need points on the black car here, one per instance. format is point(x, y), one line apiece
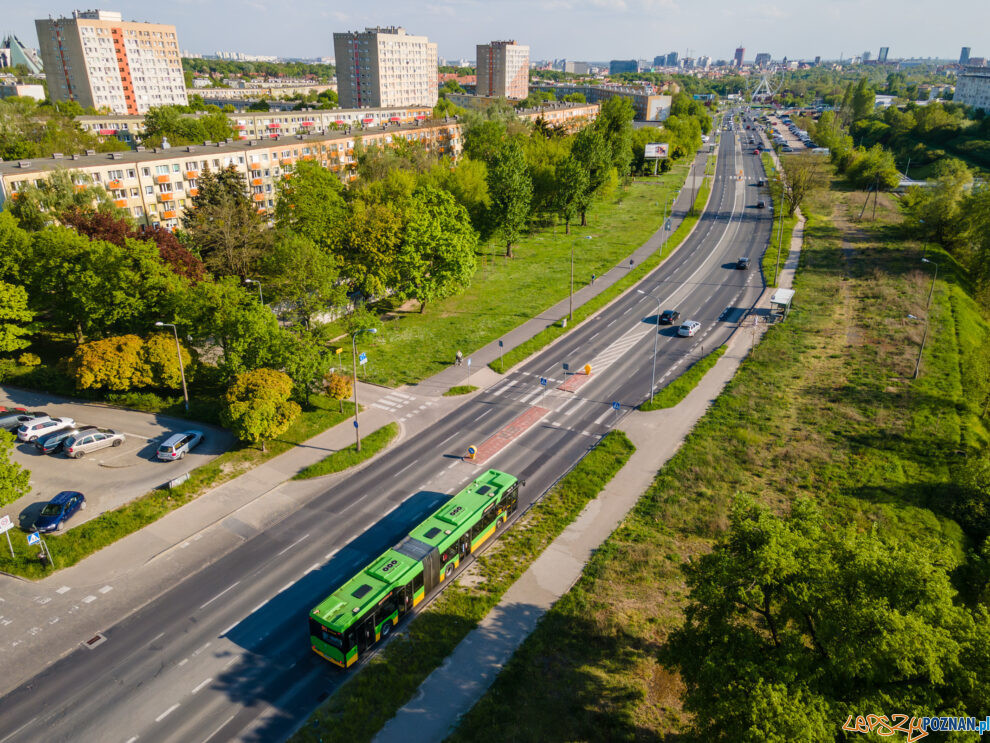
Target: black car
point(53, 441)
point(761, 205)
point(743, 263)
point(669, 317)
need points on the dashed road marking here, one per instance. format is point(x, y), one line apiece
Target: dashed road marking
point(201, 684)
point(166, 713)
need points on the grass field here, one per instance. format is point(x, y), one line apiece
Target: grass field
point(75, 544)
point(344, 459)
point(825, 407)
point(780, 242)
point(411, 346)
point(359, 709)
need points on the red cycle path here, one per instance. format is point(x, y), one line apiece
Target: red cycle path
point(509, 433)
point(573, 382)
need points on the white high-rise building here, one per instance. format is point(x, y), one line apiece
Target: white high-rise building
point(973, 87)
point(383, 67)
point(100, 60)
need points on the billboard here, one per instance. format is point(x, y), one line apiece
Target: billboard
point(657, 150)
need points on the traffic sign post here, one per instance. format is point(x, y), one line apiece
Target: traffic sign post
point(5, 526)
point(501, 368)
point(362, 358)
point(472, 452)
point(33, 538)
point(543, 384)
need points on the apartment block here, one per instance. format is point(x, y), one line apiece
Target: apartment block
point(156, 186)
point(973, 87)
point(647, 105)
point(99, 60)
point(567, 117)
point(503, 70)
point(385, 66)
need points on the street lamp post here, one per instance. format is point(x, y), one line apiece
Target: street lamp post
point(261, 296)
point(653, 379)
point(178, 351)
point(934, 277)
point(354, 335)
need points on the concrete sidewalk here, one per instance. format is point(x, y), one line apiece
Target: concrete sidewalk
point(479, 375)
point(454, 688)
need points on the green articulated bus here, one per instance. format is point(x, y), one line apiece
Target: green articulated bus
point(363, 610)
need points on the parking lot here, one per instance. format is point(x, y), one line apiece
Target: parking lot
point(109, 477)
point(789, 139)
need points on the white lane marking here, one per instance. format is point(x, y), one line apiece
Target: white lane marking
point(478, 418)
point(603, 416)
point(106, 589)
point(311, 568)
point(452, 465)
point(287, 586)
point(257, 607)
point(230, 628)
point(200, 649)
point(328, 555)
point(131, 740)
point(304, 536)
point(29, 722)
point(410, 464)
point(183, 662)
point(526, 398)
point(166, 713)
point(231, 662)
point(63, 589)
point(218, 729)
point(447, 439)
point(228, 588)
point(89, 599)
point(200, 685)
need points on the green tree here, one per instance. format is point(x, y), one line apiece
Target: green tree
point(13, 313)
point(791, 188)
point(257, 407)
point(15, 481)
point(572, 185)
point(110, 363)
point(874, 169)
point(592, 151)
point(372, 237)
point(14, 246)
point(311, 204)
point(511, 191)
point(615, 121)
point(302, 276)
point(863, 100)
point(794, 623)
point(937, 212)
point(61, 191)
point(467, 182)
point(437, 258)
point(224, 224)
point(160, 362)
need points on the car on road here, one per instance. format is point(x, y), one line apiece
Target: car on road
point(52, 442)
point(689, 328)
point(29, 431)
point(669, 317)
point(761, 205)
point(13, 421)
point(59, 510)
point(742, 264)
point(756, 151)
point(178, 445)
point(89, 441)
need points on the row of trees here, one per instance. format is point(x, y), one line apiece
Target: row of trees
point(29, 129)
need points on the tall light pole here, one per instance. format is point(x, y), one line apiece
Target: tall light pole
point(261, 296)
point(354, 336)
point(934, 277)
point(653, 379)
point(178, 351)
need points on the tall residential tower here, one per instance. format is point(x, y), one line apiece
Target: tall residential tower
point(503, 70)
point(382, 67)
point(99, 60)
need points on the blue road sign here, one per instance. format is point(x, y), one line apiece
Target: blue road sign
point(566, 367)
point(362, 358)
point(355, 424)
point(543, 381)
point(615, 406)
point(500, 344)
point(469, 361)
point(34, 537)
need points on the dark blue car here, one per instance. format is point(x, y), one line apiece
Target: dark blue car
point(59, 510)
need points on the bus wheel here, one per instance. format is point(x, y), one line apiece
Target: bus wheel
point(386, 628)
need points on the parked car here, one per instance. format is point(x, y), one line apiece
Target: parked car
point(59, 510)
point(689, 328)
point(742, 264)
point(13, 421)
point(30, 430)
point(787, 149)
point(5, 409)
point(178, 445)
point(89, 441)
point(52, 442)
point(669, 317)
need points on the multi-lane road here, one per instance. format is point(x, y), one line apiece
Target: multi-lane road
point(223, 655)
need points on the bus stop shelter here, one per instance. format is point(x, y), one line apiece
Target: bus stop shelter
point(780, 304)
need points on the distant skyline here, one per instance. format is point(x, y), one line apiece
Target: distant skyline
point(571, 29)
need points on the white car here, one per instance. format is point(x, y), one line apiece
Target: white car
point(176, 446)
point(688, 328)
point(31, 430)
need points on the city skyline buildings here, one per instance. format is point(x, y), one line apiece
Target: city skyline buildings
point(592, 31)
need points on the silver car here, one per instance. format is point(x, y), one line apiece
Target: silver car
point(90, 441)
point(31, 430)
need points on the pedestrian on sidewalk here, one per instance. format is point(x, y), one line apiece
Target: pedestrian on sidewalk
point(630, 263)
point(592, 278)
point(458, 358)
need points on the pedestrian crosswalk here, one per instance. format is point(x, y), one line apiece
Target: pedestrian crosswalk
point(393, 402)
point(618, 349)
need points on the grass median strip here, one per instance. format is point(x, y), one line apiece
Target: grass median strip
point(359, 709)
point(344, 459)
point(681, 385)
point(460, 389)
point(80, 542)
point(546, 336)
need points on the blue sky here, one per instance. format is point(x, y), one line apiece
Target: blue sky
point(574, 29)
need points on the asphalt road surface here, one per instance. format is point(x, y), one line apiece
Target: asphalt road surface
point(224, 655)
